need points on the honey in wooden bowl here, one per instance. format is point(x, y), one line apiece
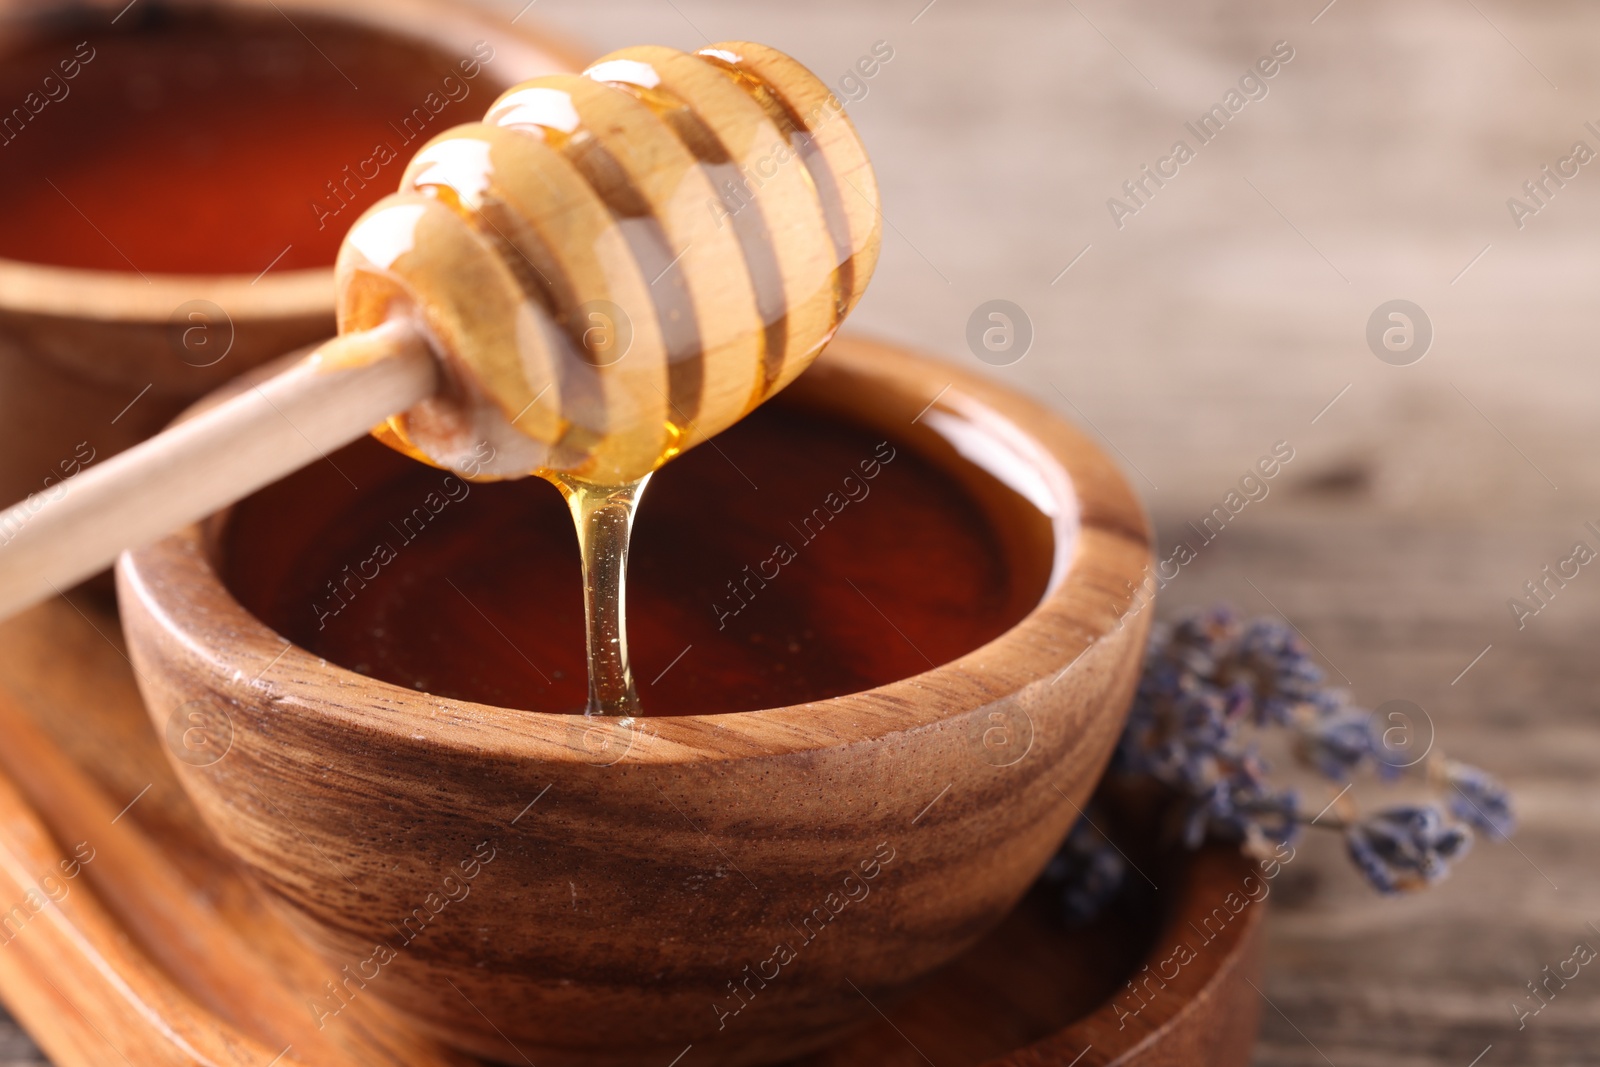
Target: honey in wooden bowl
point(803, 558)
point(630, 875)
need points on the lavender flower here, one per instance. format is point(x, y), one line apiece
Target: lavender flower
point(1407, 847)
point(1280, 670)
point(1089, 871)
point(1479, 799)
point(1206, 675)
point(1208, 678)
point(1338, 741)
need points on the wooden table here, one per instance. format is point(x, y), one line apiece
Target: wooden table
point(1229, 313)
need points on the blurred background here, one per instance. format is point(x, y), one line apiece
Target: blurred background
point(1241, 302)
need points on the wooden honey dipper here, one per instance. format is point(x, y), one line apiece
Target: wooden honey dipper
point(608, 270)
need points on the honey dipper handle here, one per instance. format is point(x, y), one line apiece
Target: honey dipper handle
point(76, 528)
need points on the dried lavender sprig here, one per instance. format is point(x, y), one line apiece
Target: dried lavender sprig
point(1479, 799)
point(1406, 847)
point(1207, 676)
point(1088, 872)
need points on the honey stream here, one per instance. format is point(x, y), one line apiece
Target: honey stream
point(603, 515)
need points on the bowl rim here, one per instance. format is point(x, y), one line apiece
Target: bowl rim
point(129, 296)
point(173, 597)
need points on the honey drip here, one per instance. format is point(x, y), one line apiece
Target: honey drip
point(604, 515)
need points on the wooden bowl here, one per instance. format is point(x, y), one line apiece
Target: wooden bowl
point(163, 948)
point(1035, 993)
point(579, 891)
point(79, 347)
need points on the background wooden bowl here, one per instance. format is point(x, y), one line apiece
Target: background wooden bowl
point(876, 835)
point(78, 347)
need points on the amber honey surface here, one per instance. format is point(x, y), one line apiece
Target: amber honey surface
point(196, 142)
point(800, 558)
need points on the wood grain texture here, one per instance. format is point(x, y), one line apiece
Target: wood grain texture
point(158, 938)
point(65, 956)
point(133, 953)
point(1032, 993)
point(78, 347)
point(586, 842)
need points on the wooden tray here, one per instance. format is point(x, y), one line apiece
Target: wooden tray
point(122, 924)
